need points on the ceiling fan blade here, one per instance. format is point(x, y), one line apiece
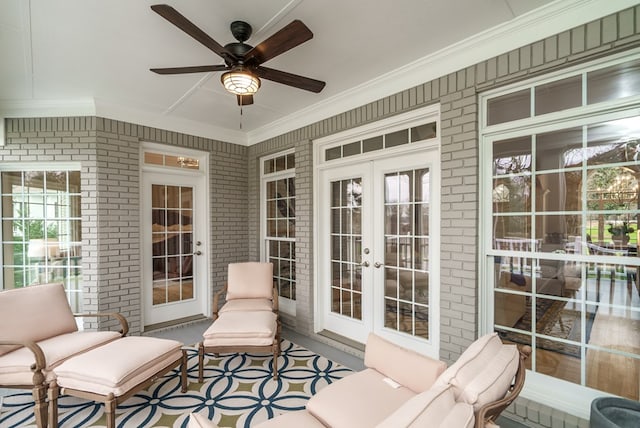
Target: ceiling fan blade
point(194, 69)
point(290, 79)
point(177, 19)
point(287, 38)
point(244, 100)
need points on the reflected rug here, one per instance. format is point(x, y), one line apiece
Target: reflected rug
point(556, 320)
point(238, 391)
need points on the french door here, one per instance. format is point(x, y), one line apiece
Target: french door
point(174, 246)
point(378, 249)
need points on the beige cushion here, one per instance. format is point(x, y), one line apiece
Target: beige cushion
point(360, 400)
point(197, 420)
point(15, 366)
point(118, 366)
point(436, 407)
point(417, 372)
point(247, 305)
point(297, 419)
point(234, 328)
point(250, 280)
point(483, 372)
point(494, 380)
point(37, 312)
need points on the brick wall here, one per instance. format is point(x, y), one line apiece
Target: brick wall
point(109, 154)
point(457, 95)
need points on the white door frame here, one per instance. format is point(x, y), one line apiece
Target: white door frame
point(403, 121)
point(151, 174)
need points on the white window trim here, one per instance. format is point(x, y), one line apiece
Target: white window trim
point(287, 306)
point(556, 393)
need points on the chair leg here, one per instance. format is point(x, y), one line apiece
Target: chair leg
point(53, 393)
point(183, 372)
point(110, 409)
point(200, 362)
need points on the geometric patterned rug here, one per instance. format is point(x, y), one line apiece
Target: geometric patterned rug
point(238, 391)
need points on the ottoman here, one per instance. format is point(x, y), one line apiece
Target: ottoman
point(242, 331)
point(114, 372)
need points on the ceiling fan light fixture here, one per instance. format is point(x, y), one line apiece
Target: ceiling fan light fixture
point(240, 82)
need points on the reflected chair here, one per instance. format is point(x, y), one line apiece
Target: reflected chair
point(248, 321)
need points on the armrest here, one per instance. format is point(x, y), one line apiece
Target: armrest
point(123, 321)
point(40, 361)
point(416, 371)
point(216, 301)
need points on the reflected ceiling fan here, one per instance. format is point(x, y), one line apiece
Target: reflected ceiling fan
point(242, 62)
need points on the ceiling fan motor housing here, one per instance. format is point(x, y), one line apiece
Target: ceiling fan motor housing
point(241, 31)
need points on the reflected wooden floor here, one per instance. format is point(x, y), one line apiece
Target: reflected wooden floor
point(615, 329)
point(171, 293)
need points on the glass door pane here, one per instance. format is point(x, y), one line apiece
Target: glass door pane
point(406, 252)
point(172, 243)
point(346, 247)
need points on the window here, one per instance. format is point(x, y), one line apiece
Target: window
point(41, 230)
point(279, 224)
point(560, 218)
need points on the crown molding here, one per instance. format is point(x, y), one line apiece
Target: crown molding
point(530, 27)
point(96, 107)
point(170, 123)
point(47, 108)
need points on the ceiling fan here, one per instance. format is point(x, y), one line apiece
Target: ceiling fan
point(243, 63)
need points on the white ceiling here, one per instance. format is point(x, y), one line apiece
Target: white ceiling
point(79, 56)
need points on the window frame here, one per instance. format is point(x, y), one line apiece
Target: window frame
point(286, 305)
point(46, 167)
point(557, 393)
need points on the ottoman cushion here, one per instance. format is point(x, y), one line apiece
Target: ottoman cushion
point(118, 366)
point(235, 328)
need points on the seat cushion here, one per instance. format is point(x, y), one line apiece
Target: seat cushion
point(484, 372)
point(247, 305)
point(436, 407)
point(15, 366)
point(363, 399)
point(251, 280)
point(37, 312)
point(234, 328)
point(118, 366)
point(297, 419)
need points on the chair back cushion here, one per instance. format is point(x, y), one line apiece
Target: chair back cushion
point(436, 407)
point(406, 367)
point(250, 280)
point(484, 372)
point(34, 313)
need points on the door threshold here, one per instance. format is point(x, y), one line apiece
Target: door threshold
point(341, 339)
point(180, 322)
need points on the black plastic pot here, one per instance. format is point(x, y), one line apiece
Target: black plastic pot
point(612, 412)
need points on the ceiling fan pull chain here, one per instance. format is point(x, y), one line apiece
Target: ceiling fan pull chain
point(240, 114)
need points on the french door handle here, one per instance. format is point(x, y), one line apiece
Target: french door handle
point(197, 253)
point(377, 265)
point(365, 264)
